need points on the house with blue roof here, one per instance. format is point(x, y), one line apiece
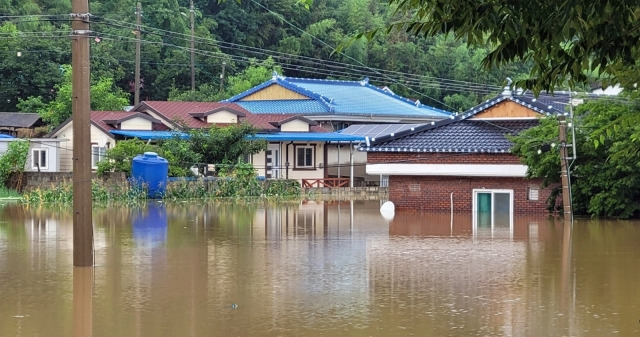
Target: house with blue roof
point(464, 163)
point(296, 145)
point(335, 105)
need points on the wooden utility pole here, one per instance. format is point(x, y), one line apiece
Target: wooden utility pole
point(136, 95)
point(81, 109)
point(193, 64)
point(564, 167)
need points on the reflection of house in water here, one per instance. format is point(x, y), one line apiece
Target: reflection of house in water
point(316, 218)
point(462, 225)
point(431, 264)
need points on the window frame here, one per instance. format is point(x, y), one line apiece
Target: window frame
point(42, 153)
point(306, 166)
point(94, 165)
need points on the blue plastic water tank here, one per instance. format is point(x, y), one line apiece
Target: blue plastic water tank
point(150, 171)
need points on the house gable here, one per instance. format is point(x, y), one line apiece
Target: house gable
point(222, 117)
point(295, 125)
point(507, 109)
point(274, 92)
point(136, 124)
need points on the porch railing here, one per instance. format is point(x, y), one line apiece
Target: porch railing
point(326, 182)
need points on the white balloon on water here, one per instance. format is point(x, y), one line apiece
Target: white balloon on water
point(388, 210)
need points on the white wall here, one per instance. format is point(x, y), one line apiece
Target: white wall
point(295, 126)
point(222, 117)
point(136, 124)
point(66, 148)
point(51, 146)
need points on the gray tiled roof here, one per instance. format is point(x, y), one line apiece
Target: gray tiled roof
point(19, 119)
point(462, 136)
point(462, 133)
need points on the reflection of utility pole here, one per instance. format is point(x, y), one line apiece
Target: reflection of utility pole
point(136, 95)
point(222, 75)
point(81, 109)
point(193, 68)
point(564, 155)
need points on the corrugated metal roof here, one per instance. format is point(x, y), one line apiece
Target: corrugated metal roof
point(309, 136)
point(150, 135)
point(277, 136)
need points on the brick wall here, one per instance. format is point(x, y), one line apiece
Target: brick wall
point(441, 158)
point(434, 193)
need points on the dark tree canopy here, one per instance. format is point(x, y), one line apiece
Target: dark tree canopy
point(568, 41)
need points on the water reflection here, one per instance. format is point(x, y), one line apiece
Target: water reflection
point(82, 301)
point(150, 225)
point(314, 268)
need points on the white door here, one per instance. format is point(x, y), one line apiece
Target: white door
point(273, 161)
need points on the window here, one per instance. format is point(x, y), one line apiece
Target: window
point(98, 153)
point(532, 193)
point(304, 157)
point(39, 159)
point(493, 210)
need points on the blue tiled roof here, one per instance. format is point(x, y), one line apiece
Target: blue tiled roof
point(292, 106)
point(346, 98)
point(461, 133)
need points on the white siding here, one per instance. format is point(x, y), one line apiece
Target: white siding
point(222, 117)
point(295, 126)
point(136, 124)
point(66, 148)
point(259, 163)
point(49, 145)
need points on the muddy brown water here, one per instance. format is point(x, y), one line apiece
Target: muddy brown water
point(314, 269)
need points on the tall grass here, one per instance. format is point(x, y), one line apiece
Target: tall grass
point(9, 193)
point(229, 187)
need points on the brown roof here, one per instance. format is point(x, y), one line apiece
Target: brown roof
point(187, 113)
point(104, 120)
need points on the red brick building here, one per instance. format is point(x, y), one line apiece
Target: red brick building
point(464, 164)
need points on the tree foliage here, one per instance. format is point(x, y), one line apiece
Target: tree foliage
point(104, 96)
point(244, 35)
point(566, 40)
point(605, 177)
point(13, 160)
point(225, 144)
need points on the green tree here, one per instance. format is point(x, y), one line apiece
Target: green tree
point(13, 160)
point(566, 40)
point(605, 177)
point(119, 157)
point(225, 145)
point(104, 96)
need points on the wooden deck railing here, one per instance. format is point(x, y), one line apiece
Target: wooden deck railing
point(326, 182)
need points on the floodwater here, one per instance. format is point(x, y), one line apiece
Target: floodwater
point(315, 269)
